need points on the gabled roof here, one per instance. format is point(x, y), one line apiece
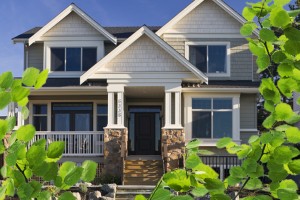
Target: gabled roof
point(195, 4)
point(62, 15)
point(144, 31)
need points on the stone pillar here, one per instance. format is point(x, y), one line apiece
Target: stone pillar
point(173, 142)
point(113, 160)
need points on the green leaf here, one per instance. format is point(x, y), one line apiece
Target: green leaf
point(25, 112)
point(269, 105)
point(293, 135)
point(283, 111)
point(65, 168)
point(292, 33)
point(269, 121)
point(192, 161)
point(214, 185)
point(193, 144)
point(220, 197)
point(224, 142)
point(281, 3)
point(11, 123)
point(267, 35)
point(10, 187)
point(42, 79)
point(66, 196)
point(292, 47)
point(253, 184)
point(205, 152)
point(269, 91)
point(294, 13)
point(203, 171)
point(246, 149)
point(36, 188)
point(199, 192)
point(266, 23)
point(2, 192)
point(30, 76)
point(282, 154)
point(279, 17)
point(233, 181)
point(253, 138)
point(287, 194)
point(6, 80)
point(263, 62)
point(248, 13)
point(278, 56)
point(73, 176)
point(18, 93)
point(11, 159)
point(89, 170)
point(237, 172)
point(177, 180)
point(44, 195)
point(51, 171)
point(257, 49)
point(3, 128)
point(25, 133)
point(248, 28)
point(140, 197)
point(25, 191)
point(294, 166)
point(249, 165)
point(18, 177)
point(36, 155)
point(285, 70)
point(56, 149)
point(265, 138)
point(161, 194)
point(23, 102)
point(5, 99)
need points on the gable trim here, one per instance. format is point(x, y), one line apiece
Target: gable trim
point(144, 30)
point(192, 6)
point(65, 13)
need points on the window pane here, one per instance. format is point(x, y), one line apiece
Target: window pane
point(89, 58)
point(57, 59)
point(40, 109)
point(40, 123)
point(82, 122)
point(102, 122)
point(201, 103)
point(198, 57)
point(222, 103)
point(217, 59)
point(201, 125)
point(62, 122)
point(73, 59)
point(72, 106)
point(222, 124)
point(102, 109)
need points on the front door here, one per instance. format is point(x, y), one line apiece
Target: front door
point(145, 133)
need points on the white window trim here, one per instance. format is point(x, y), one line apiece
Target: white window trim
point(49, 110)
point(188, 117)
point(69, 44)
point(227, 74)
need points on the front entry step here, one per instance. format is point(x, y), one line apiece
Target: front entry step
point(128, 192)
point(142, 172)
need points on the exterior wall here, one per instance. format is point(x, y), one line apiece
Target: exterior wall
point(144, 55)
point(208, 17)
point(69, 97)
point(35, 55)
point(241, 59)
point(72, 25)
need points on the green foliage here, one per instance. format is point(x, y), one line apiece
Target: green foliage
point(271, 154)
point(23, 161)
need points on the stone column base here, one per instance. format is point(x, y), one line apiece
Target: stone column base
point(113, 160)
point(173, 142)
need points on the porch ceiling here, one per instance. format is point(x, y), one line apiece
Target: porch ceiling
point(144, 92)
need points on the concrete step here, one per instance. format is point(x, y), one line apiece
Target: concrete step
point(128, 192)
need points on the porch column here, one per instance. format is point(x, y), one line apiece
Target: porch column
point(111, 109)
point(120, 109)
point(168, 108)
point(178, 109)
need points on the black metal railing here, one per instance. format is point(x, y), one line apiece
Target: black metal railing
point(221, 164)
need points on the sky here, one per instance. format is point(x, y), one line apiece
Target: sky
point(18, 16)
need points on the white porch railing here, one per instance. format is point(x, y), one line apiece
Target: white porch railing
point(76, 143)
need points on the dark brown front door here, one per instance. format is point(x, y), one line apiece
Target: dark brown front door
point(145, 133)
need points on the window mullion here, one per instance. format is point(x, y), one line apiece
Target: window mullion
point(65, 59)
point(81, 58)
point(207, 59)
point(212, 119)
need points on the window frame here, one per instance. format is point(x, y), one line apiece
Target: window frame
point(69, 44)
point(188, 118)
point(227, 44)
point(40, 115)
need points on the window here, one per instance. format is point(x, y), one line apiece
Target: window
point(101, 117)
point(212, 117)
point(209, 58)
point(40, 117)
point(72, 116)
point(73, 58)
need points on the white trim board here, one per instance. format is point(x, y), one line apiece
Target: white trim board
point(192, 6)
point(71, 8)
point(143, 31)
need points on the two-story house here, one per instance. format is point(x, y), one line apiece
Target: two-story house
point(131, 97)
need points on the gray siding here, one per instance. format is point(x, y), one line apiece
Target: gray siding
point(69, 97)
point(240, 57)
point(35, 55)
point(248, 111)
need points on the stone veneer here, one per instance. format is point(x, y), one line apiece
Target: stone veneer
point(113, 160)
point(173, 142)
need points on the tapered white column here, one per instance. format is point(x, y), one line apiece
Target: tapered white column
point(168, 106)
point(120, 109)
point(111, 109)
point(177, 108)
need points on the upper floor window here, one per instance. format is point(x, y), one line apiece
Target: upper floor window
point(39, 115)
point(73, 58)
point(209, 58)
